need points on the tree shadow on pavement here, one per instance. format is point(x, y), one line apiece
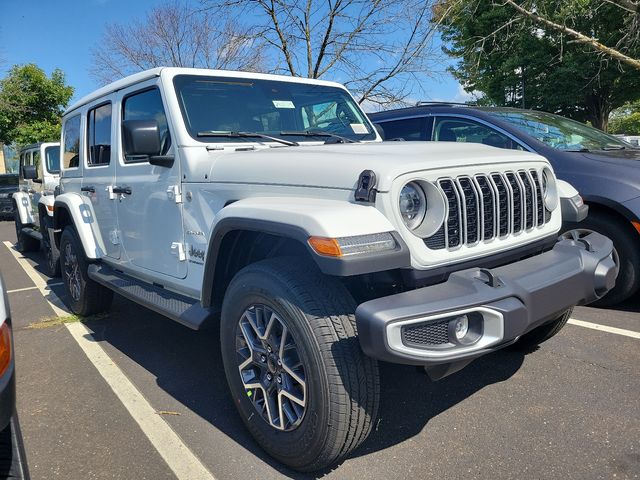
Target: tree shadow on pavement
point(188, 366)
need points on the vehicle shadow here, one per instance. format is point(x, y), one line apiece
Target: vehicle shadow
point(188, 366)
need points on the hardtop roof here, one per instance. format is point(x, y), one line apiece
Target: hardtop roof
point(172, 71)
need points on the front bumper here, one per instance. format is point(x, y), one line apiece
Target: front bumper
point(507, 302)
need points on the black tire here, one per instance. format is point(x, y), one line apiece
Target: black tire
point(85, 296)
point(343, 384)
point(49, 249)
point(529, 341)
point(625, 241)
point(24, 243)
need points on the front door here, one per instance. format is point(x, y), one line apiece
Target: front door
point(99, 174)
point(149, 212)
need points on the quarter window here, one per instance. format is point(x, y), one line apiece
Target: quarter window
point(99, 135)
point(71, 134)
point(147, 105)
point(468, 131)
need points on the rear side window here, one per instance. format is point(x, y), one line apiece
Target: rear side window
point(99, 135)
point(147, 105)
point(407, 129)
point(71, 156)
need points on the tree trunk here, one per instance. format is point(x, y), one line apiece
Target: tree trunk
point(599, 109)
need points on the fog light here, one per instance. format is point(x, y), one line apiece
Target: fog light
point(466, 329)
point(461, 327)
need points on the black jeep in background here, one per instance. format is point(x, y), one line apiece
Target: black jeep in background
point(8, 186)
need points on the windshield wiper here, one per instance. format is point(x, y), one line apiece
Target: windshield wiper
point(613, 147)
point(317, 133)
point(582, 150)
point(229, 134)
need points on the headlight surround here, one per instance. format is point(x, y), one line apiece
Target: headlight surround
point(549, 189)
point(413, 205)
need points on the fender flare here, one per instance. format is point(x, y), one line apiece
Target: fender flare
point(82, 217)
point(48, 202)
point(23, 207)
point(289, 218)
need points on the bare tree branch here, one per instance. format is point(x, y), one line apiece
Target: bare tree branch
point(174, 34)
point(577, 36)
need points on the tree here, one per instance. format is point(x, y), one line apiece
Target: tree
point(176, 35)
point(31, 104)
point(628, 8)
point(626, 119)
point(514, 62)
point(375, 47)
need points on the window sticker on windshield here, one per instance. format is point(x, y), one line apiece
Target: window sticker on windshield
point(359, 128)
point(283, 104)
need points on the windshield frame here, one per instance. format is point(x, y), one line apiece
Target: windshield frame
point(595, 136)
point(370, 136)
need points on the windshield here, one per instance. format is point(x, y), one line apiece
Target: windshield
point(559, 132)
point(52, 156)
point(276, 108)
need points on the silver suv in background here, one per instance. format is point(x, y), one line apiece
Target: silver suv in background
point(39, 171)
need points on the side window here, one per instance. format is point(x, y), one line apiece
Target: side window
point(99, 135)
point(36, 162)
point(52, 156)
point(468, 131)
point(71, 133)
point(147, 105)
point(407, 129)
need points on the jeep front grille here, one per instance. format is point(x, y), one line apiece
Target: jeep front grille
point(484, 207)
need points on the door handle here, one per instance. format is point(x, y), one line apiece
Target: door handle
point(88, 189)
point(122, 190)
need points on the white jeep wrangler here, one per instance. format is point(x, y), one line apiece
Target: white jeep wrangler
point(39, 175)
point(267, 207)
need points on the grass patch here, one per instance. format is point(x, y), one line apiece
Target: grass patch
point(54, 321)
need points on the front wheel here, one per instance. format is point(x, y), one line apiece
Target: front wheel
point(302, 385)
point(529, 341)
point(626, 254)
point(86, 297)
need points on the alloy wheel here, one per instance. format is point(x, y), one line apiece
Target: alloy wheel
point(72, 272)
point(270, 367)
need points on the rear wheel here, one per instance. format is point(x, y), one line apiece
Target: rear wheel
point(626, 253)
point(301, 383)
point(535, 337)
point(24, 243)
point(86, 297)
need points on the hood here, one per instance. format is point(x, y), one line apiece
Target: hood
point(339, 165)
point(617, 157)
point(9, 182)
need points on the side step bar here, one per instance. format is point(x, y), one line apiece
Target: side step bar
point(180, 308)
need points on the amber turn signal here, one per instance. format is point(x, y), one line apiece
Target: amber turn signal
point(325, 246)
point(5, 348)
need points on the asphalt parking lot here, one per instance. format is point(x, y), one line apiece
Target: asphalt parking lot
point(133, 395)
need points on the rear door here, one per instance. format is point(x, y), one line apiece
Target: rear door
point(149, 216)
point(99, 173)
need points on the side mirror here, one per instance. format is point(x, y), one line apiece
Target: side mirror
point(142, 139)
point(29, 172)
point(380, 130)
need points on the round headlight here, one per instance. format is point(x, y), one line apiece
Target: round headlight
point(413, 205)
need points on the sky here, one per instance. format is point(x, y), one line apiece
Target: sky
point(61, 33)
